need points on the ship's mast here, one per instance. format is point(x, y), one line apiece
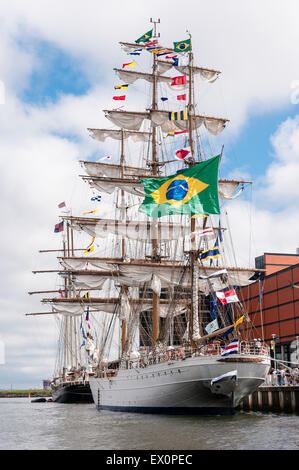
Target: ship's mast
point(123, 241)
point(156, 316)
point(194, 323)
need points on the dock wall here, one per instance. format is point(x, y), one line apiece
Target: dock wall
point(283, 398)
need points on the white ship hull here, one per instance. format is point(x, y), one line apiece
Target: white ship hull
point(182, 386)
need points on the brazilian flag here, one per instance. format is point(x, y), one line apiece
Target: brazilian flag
point(190, 191)
point(182, 46)
point(146, 37)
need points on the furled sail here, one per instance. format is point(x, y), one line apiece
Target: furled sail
point(226, 188)
point(133, 274)
point(113, 171)
point(130, 77)
point(90, 281)
point(131, 120)
point(133, 230)
point(212, 124)
point(117, 134)
point(80, 263)
point(75, 307)
point(209, 75)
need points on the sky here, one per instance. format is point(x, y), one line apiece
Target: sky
point(56, 77)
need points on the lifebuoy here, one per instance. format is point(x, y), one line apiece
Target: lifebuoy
point(211, 348)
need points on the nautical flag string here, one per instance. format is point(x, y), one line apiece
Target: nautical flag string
point(62, 204)
point(231, 348)
point(182, 154)
point(91, 243)
point(87, 314)
point(261, 293)
point(180, 80)
point(129, 64)
point(91, 212)
point(202, 233)
point(119, 98)
point(121, 87)
point(227, 296)
point(88, 250)
point(96, 198)
point(211, 253)
point(61, 293)
point(105, 158)
point(220, 232)
point(172, 133)
point(59, 227)
point(239, 321)
point(135, 52)
point(213, 307)
point(178, 115)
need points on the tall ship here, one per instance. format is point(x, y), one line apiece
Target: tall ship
point(172, 334)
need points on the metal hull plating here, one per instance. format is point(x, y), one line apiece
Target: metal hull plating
point(77, 393)
point(180, 386)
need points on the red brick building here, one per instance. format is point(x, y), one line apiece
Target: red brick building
point(274, 262)
point(273, 303)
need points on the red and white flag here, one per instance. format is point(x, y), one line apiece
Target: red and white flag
point(105, 158)
point(203, 233)
point(181, 97)
point(180, 80)
point(122, 97)
point(182, 153)
point(227, 297)
point(61, 293)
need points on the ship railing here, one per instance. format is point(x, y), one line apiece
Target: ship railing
point(253, 348)
point(107, 373)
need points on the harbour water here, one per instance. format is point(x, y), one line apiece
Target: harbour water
point(49, 426)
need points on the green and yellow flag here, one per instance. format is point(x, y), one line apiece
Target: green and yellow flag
point(182, 46)
point(190, 191)
point(146, 37)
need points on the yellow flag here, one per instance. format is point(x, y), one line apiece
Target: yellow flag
point(130, 64)
point(92, 240)
point(239, 321)
point(198, 215)
point(88, 250)
point(91, 212)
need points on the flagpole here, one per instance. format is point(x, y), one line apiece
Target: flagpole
point(191, 104)
point(194, 323)
point(156, 299)
point(123, 241)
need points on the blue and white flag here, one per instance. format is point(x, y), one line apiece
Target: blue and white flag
point(231, 348)
point(96, 198)
point(212, 326)
point(261, 293)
